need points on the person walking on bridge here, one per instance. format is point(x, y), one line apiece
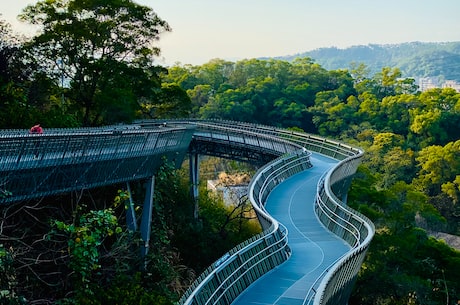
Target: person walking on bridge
point(36, 129)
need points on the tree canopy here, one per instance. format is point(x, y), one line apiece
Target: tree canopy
point(101, 51)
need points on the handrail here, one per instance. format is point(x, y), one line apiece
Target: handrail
point(334, 285)
point(63, 160)
point(263, 253)
point(245, 263)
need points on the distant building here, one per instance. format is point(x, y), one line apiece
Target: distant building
point(451, 84)
point(427, 83)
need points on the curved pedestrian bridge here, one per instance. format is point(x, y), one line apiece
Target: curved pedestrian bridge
point(314, 248)
point(312, 244)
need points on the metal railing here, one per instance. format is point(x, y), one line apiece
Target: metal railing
point(62, 160)
point(353, 227)
point(334, 285)
point(232, 140)
point(68, 156)
point(328, 147)
point(230, 275)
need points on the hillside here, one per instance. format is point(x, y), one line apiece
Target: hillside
point(414, 59)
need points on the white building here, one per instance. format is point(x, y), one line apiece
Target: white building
point(451, 84)
point(427, 83)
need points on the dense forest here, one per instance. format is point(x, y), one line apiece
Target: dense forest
point(93, 63)
point(440, 61)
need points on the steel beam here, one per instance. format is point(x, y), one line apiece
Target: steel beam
point(194, 178)
point(130, 213)
point(146, 220)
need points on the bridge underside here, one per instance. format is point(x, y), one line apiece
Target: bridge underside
point(235, 151)
point(36, 182)
point(50, 179)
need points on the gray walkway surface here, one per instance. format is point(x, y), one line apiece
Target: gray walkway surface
point(313, 247)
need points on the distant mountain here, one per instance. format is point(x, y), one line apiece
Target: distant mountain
point(415, 59)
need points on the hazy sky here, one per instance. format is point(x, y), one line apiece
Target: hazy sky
point(237, 29)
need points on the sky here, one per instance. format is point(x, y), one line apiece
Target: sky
point(233, 30)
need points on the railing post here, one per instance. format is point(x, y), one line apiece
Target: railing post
point(146, 221)
point(194, 176)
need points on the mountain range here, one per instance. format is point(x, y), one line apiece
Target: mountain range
point(437, 60)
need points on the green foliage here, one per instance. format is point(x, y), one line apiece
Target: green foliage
point(439, 168)
point(126, 290)
point(170, 101)
point(105, 263)
point(8, 281)
point(261, 91)
point(13, 94)
point(437, 117)
point(86, 235)
point(405, 263)
point(104, 51)
point(402, 262)
point(395, 109)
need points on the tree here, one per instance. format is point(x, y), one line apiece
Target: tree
point(387, 80)
point(439, 168)
point(85, 237)
point(437, 118)
point(230, 105)
point(215, 73)
point(387, 157)
point(13, 93)
point(394, 112)
point(27, 94)
point(97, 46)
point(171, 101)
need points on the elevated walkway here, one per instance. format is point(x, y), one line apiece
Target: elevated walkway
point(64, 160)
point(314, 248)
point(293, 200)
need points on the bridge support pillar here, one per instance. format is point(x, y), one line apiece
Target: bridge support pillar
point(146, 220)
point(130, 213)
point(194, 176)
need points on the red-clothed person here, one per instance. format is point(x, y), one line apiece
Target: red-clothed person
point(36, 129)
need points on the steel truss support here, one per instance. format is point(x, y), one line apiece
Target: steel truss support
point(146, 217)
point(194, 179)
point(146, 220)
point(130, 213)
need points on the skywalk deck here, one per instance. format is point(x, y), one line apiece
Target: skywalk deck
point(314, 248)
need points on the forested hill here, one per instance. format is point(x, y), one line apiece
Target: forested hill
point(414, 59)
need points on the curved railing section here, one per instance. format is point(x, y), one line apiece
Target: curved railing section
point(327, 147)
point(232, 140)
point(354, 228)
point(76, 159)
point(336, 282)
point(229, 276)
